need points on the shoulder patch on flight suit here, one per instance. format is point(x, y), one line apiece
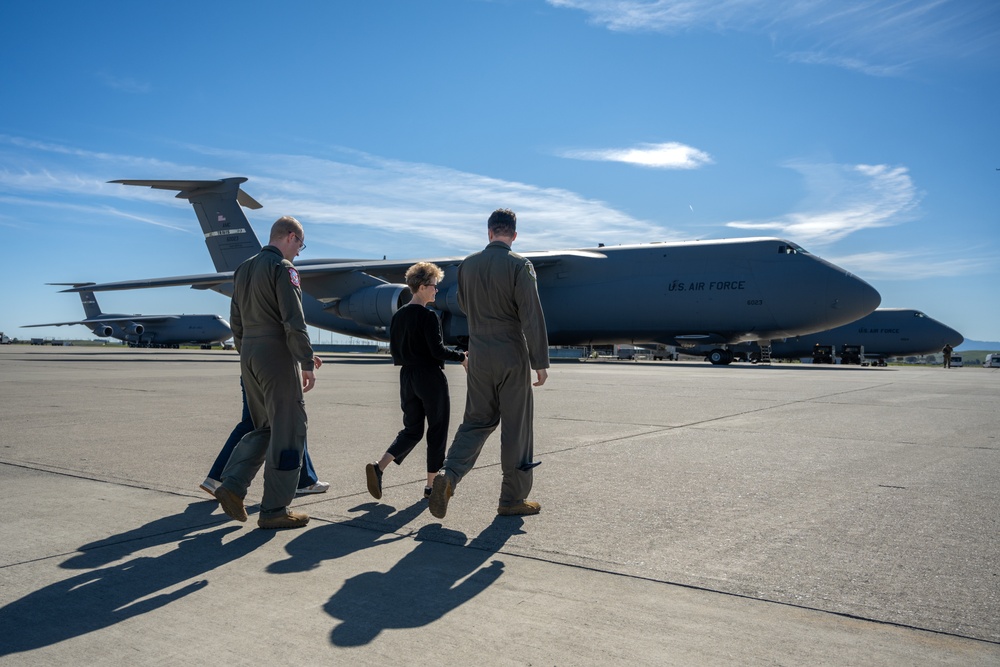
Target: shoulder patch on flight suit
point(293, 275)
point(531, 269)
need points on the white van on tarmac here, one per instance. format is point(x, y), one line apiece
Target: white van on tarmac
point(956, 361)
point(992, 360)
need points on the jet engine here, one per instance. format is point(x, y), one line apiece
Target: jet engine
point(105, 331)
point(448, 301)
point(135, 328)
point(454, 325)
point(373, 306)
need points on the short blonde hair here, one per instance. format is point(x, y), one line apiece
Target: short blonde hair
point(421, 274)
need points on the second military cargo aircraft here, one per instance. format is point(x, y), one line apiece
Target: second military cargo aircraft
point(146, 330)
point(887, 332)
point(711, 292)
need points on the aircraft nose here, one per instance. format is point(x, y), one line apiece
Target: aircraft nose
point(854, 297)
point(952, 337)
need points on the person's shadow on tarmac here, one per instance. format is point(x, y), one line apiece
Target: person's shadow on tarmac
point(436, 577)
point(331, 541)
point(196, 517)
point(99, 598)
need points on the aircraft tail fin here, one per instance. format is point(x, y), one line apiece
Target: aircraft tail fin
point(228, 234)
point(90, 306)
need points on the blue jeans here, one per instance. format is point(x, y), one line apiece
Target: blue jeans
point(307, 474)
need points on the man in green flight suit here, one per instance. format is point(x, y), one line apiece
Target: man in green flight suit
point(276, 361)
point(498, 292)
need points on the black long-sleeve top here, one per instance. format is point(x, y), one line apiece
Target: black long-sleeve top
point(415, 338)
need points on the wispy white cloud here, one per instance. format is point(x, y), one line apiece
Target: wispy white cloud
point(666, 15)
point(878, 37)
point(916, 264)
point(846, 62)
point(448, 207)
point(354, 202)
point(669, 155)
point(85, 214)
point(842, 200)
point(124, 84)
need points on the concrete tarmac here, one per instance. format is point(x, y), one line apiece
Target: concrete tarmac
point(691, 515)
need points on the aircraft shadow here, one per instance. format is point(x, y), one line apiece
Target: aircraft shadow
point(100, 598)
point(434, 578)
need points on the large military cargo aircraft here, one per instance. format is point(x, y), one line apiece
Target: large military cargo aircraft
point(146, 330)
point(712, 292)
point(887, 332)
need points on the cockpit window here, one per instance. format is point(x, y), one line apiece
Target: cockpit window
point(790, 249)
point(919, 314)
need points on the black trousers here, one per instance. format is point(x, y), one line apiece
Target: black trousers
point(423, 395)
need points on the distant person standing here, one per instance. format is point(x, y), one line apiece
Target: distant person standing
point(498, 292)
point(946, 351)
point(276, 363)
point(417, 347)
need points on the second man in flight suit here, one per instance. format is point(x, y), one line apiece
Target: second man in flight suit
point(498, 292)
point(276, 362)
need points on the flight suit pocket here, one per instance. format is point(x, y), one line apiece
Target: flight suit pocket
point(288, 460)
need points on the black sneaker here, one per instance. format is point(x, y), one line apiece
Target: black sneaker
point(427, 492)
point(374, 476)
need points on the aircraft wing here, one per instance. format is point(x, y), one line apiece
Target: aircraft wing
point(132, 318)
point(202, 281)
point(50, 324)
point(110, 320)
point(335, 280)
point(394, 269)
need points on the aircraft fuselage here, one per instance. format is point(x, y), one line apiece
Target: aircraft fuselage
point(708, 291)
point(166, 330)
point(887, 332)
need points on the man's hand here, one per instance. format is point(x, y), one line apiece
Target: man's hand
point(543, 375)
point(317, 362)
point(308, 380)
point(465, 362)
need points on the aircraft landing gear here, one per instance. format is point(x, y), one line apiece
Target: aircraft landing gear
point(720, 357)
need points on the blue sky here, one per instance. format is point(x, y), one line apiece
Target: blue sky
point(867, 132)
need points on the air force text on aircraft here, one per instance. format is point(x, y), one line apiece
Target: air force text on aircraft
point(715, 286)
